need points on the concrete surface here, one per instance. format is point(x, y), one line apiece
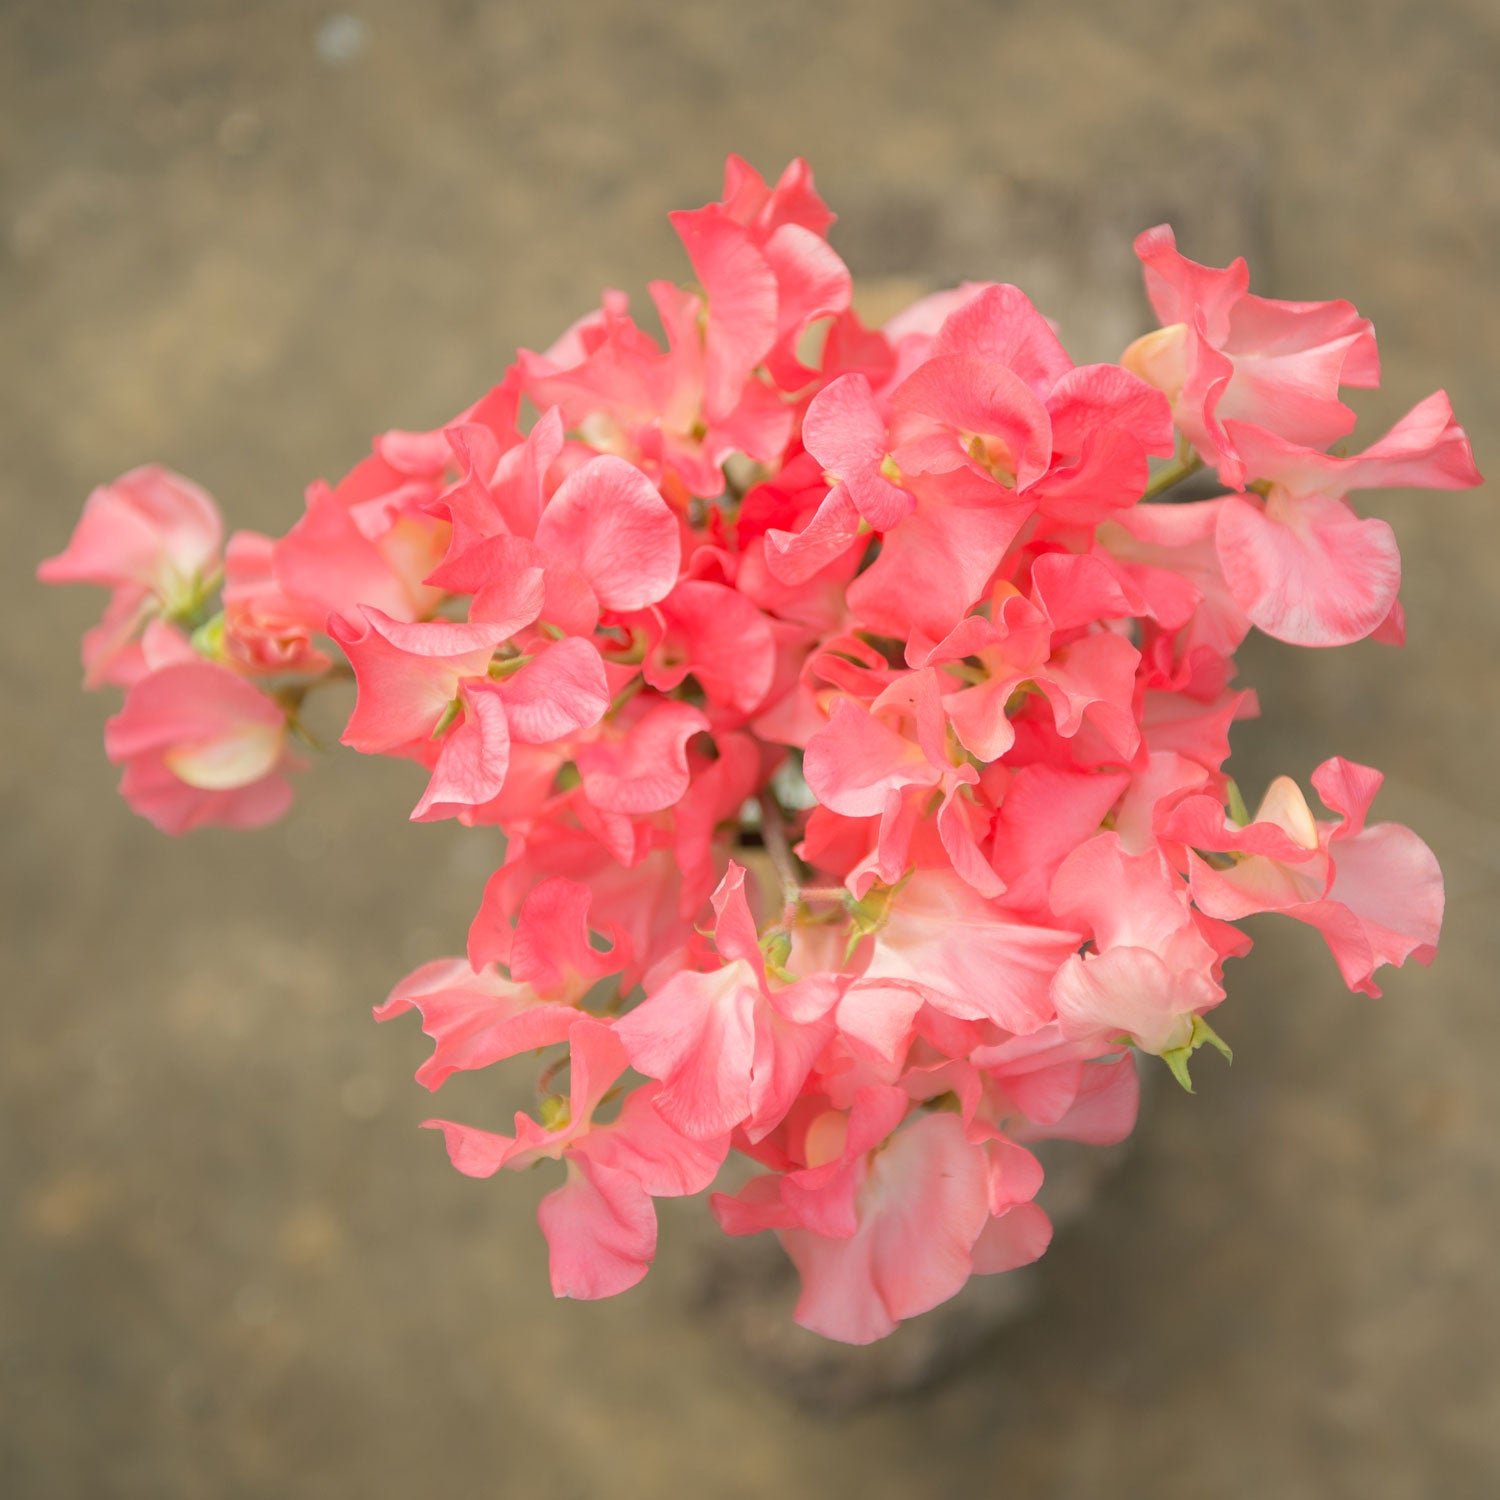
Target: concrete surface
point(241, 237)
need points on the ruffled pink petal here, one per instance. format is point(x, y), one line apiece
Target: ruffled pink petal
point(1179, 287)
point(1015, 1238)
point(1309, 571)
point(1385, 904)
point(794, 557)
point(935, 566)
point(812, 282)
point(715, 633)
point(666, 1163)
point(1000, 324)
point(474, 1152)
point(696, 1034)
point(1094, 678)
point(647, 769)
point(741, 289)
point(845, 432)
point(600, 1228)
point(551, 950)
point(407, 675)
point(856, 761)
point(474, 758)
point(1094, 396)
point(1047, 812)
point(973, 396)
point(1348, 788)
point(474, 1019)
point(608, 522)
point(561, 693)
point(921, 1209)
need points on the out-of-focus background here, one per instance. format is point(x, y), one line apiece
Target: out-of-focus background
point(241, 237)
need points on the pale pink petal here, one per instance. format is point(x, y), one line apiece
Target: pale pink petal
point(1015, 1238)
point(1385, 904)
point(966, 958)
point(1131, 992)
point(921, 1209)
point(666, 1163)
point(150, 528)
point(1309, 571)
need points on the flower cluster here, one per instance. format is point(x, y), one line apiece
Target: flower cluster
point(854, 708)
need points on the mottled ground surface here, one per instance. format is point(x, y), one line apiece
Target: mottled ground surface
point(239, 238)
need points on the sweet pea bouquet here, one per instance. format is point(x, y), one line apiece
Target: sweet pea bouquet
point(854, 703)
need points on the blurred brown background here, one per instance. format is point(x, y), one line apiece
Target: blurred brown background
point(241, 237)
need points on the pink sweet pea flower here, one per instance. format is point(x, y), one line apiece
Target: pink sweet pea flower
point(920, 1206)
point(1153, 969)
point(152, 538)
point(265, 632)
point(600, 1225)
point(369, 541)
point(1300, 563)
point(651, 406)
point(965, 956)
point(1375, 894)
point(1224, 353)
point(477, 1017)
point(200, 746)
point(730, 1050)
point(411, 676)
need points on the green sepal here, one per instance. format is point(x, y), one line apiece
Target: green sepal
point(208, 639)
point(776, 945)
point(444, 724)
point(1176, 1058)
point(1237, 809)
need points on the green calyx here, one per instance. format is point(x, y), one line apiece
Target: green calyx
point(1176, 1058)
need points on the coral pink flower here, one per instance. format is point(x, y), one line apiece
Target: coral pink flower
point(1375, 894)
point(152, 538)
point(265, 632)
point(600, 1225)
point(200, 746)
point(410, 678)
point(920, 1207)
point(728, 1048)
point(1224, 353)
point(879, 617)
point(1300, 563)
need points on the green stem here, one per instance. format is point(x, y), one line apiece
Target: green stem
point(1174, 473)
